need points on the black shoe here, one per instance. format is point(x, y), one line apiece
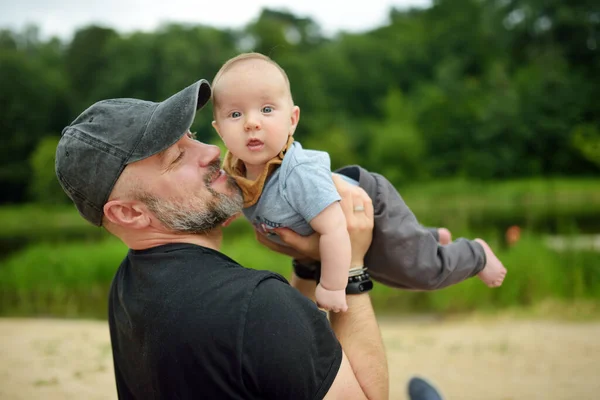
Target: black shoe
point(420, 389)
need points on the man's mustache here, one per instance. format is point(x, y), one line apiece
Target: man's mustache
point(213, 168)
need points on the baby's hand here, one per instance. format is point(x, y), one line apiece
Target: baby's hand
point(331, 300)
point(493, 272)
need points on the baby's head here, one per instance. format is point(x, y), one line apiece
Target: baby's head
point(254, 112)
point(249, 60)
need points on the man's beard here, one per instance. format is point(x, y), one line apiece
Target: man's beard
point(197, 214)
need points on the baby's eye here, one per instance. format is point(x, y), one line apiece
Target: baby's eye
point(236, 114)
point(267, 109)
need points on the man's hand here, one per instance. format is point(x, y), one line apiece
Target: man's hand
point(301, 248)
point(359, 224)
point(358, 210)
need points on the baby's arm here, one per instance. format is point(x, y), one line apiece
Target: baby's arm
point(335, 250)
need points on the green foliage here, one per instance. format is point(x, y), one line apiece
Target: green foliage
point(397, 148)
point(28, 224)
point(538, 205)
point(67, 279)
point(73, 279)
point(489, 90)
point(586, 138)
point(44, 187)
point(31, 98)
point(464, 105)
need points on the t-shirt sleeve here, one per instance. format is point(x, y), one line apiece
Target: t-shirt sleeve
point(309, 189)
point(289, 349)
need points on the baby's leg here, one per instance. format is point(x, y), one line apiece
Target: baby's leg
point(403, 253)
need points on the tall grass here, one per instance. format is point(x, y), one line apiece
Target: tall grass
point(73, 279)
point(456, 203)
point(60, 280)
point(541, 205)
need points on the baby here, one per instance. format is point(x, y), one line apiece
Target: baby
point(285, 185)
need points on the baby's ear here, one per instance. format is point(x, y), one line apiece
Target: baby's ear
point(216, 126)
point(295, 118)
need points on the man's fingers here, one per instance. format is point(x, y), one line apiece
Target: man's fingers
point(367, 204)
point(264, 241)
point(308, 246)
point(345, 192)
point(292, 239)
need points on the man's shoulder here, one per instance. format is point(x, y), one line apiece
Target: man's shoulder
point(175, 268)
point(176, 286)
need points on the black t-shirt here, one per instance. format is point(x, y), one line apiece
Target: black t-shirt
point(187, 322)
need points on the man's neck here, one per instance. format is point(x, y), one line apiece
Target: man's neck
point(211, 240)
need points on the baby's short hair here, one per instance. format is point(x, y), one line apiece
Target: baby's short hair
point(244, 57)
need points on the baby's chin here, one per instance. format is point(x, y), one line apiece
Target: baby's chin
point(258, 160)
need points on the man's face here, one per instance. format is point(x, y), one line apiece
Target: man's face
point(185, 188)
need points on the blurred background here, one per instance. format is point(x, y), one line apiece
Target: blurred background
point(484, 114)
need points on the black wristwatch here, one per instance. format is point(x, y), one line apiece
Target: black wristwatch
point(359, 284)
point(312, 271)
point(307, 270)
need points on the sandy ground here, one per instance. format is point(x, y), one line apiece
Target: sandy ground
point(467, 359)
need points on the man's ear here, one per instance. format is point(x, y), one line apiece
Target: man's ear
point(128, 214)
point(295, 117)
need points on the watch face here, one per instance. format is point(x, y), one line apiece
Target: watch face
point(359, 287)
point(365, 286)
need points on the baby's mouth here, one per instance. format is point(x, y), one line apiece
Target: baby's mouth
point(255, 144)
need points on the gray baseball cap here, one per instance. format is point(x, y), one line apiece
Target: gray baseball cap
point(95, 148)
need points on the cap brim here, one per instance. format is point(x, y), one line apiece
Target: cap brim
point(171, 119)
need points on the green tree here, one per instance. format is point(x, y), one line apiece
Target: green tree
point(397, 148)
point(43, 186)
point(86, 62)
point(31, 97)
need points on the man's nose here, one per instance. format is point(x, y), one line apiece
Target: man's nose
point(208, 153)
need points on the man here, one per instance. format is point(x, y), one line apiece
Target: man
point(185, 320)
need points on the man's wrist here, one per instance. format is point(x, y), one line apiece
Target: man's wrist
point(308, 270)
point(359, 281)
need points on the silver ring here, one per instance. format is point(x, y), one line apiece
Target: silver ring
point(359, 208)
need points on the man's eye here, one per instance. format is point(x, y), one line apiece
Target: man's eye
point(179, 157)
point(267, 109)
point(236, 114)
point(191, 135)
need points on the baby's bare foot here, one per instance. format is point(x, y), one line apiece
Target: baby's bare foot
point(493, 272)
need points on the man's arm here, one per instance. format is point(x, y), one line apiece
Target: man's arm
point(363, 373)
point(357, 329)
point(364, 362)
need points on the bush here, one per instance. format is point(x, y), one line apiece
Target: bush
point(74, 279)
point(44, 187)
point(62, 280)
